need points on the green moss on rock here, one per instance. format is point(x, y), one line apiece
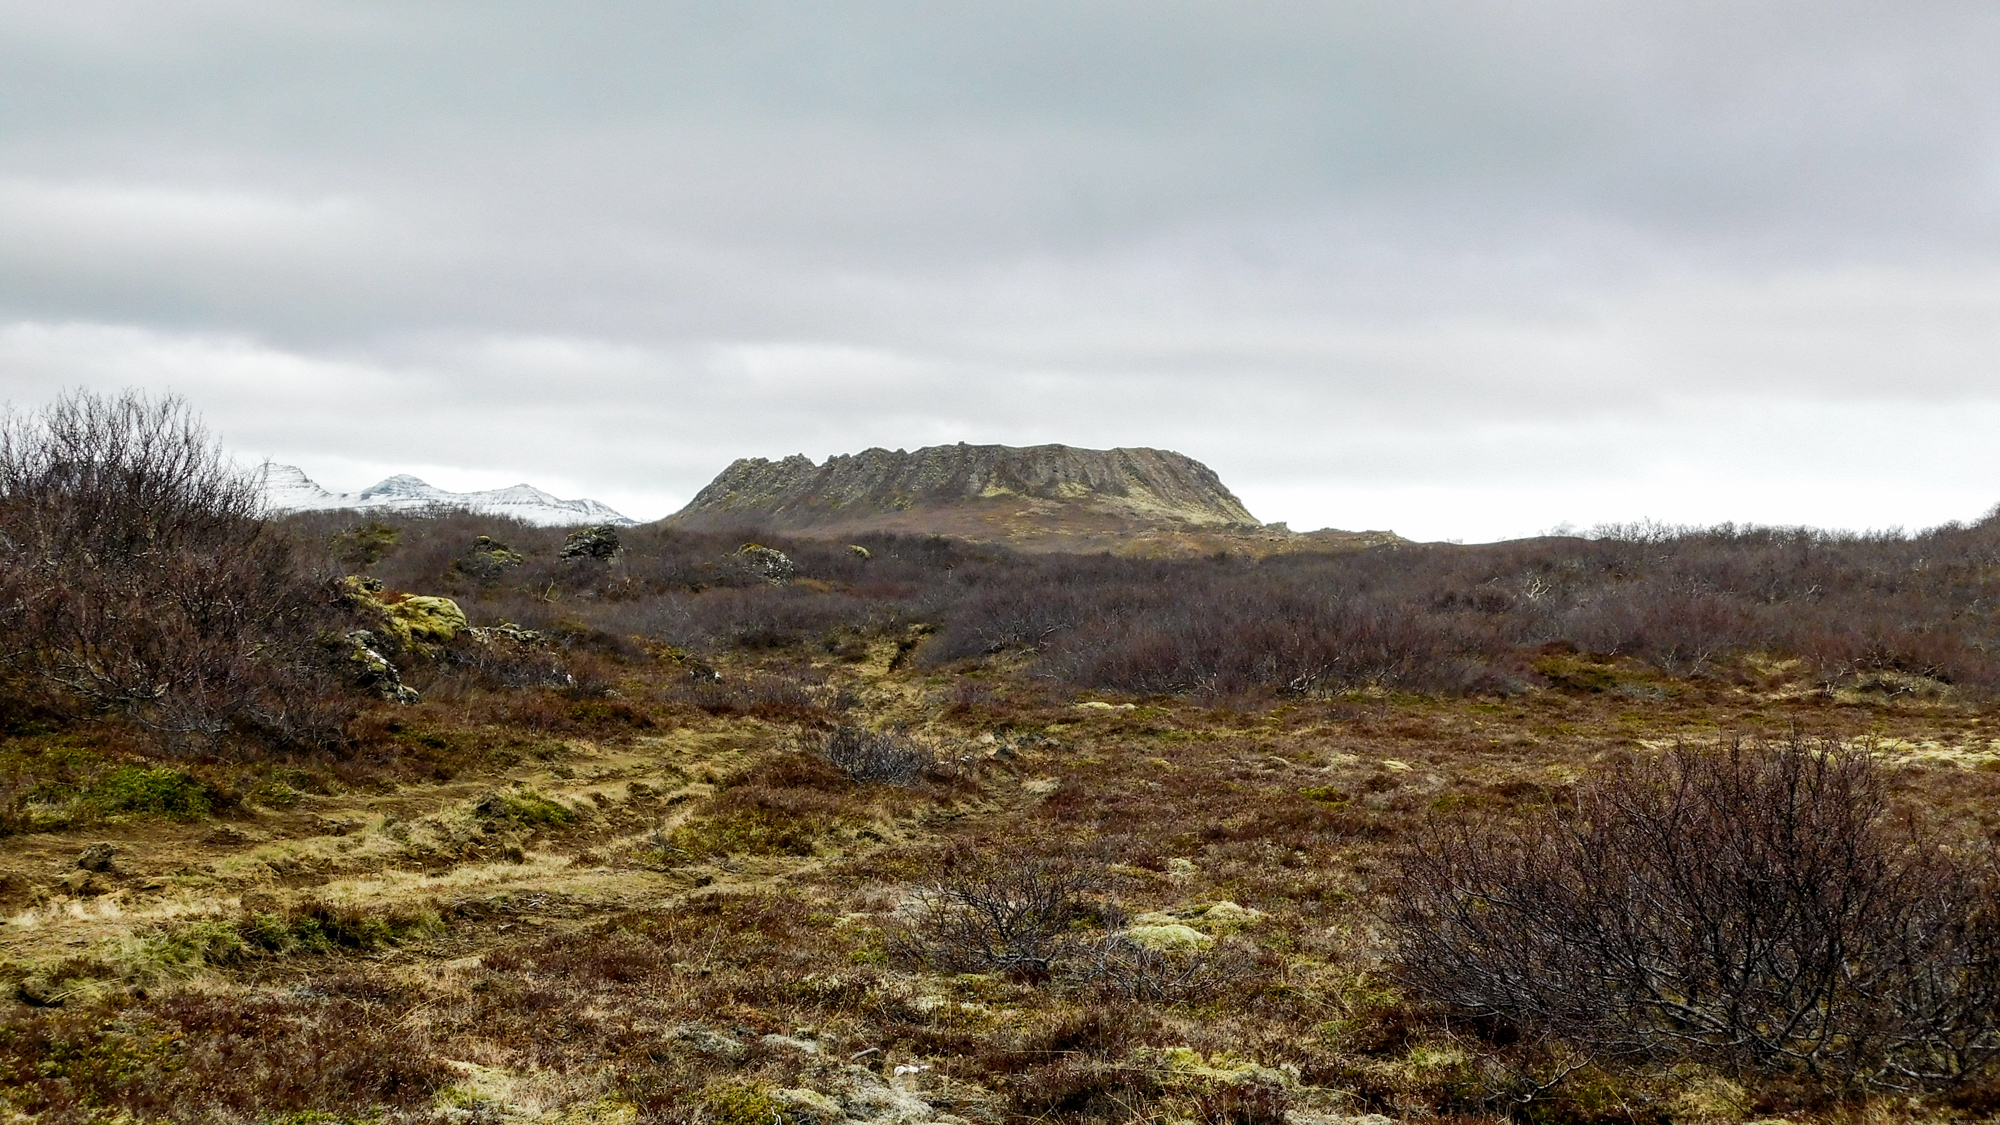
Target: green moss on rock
point(428, 620)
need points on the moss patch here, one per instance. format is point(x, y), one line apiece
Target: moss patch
point(153, 791)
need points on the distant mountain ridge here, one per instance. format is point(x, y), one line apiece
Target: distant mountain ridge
point(1047, 497)
point(287, 489)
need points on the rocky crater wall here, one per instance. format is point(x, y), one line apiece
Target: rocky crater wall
point(1152, 486)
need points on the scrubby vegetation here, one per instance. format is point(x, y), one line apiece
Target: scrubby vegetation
point(1763, 911)
point(1887, 613)
point(138, 581)
point(443, 818)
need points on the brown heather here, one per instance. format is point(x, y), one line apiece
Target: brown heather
point(1655, 826)
point(1885, 613)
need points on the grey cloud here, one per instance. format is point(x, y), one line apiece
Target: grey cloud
point(680, 232)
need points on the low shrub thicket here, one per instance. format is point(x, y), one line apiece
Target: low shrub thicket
point(1431, 617)
point(1761, 910)
point(139, 581)
point(148, 790)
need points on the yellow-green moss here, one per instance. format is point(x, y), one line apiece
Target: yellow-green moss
point(427, 620)
point(740, 1104)
point(1169, 937)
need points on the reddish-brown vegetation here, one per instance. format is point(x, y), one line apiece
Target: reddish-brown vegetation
point(708, 837)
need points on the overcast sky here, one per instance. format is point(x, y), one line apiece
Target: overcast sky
point(1464, 270)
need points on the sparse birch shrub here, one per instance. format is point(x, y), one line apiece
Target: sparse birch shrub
point(1759, 909)
point(1443, 618)
point(872, 757)
point(1010, 913)
point(139, 579)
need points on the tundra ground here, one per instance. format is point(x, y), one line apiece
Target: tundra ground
point(667, 906)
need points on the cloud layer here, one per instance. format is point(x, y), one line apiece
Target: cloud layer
point(1455, 269)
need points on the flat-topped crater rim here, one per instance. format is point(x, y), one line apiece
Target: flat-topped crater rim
point(1140, 484)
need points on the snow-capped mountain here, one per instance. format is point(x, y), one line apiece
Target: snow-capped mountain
point(288, 489)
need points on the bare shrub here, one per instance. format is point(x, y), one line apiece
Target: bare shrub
point(1009, 913)
point(878, 757)
point(138, 579)
point(774, 617)
point(1679, 629)
point(1755, 908)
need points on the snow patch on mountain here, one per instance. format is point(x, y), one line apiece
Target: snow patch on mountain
point(288, 489)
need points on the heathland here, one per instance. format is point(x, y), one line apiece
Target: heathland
point(344, 817)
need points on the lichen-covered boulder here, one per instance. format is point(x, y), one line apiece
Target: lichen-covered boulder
point(708, 1042)
point(359, 589)
point(486, 560)
point(599, 542)
point(39, 990)
point(97, 857)
point(1227, 917)
point(509, 632)
point(1184, 1070)
point(400, 624)
point(865, 1096)
point(806, 1107)
point(426, 620)
point(768, 563)
point(372, 670)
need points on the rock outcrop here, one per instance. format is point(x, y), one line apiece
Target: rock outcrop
point(404, 625)
point(771, 565)
point(599, 542)
point(1150, 485)
point(894, 489)
point(1047, 497)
